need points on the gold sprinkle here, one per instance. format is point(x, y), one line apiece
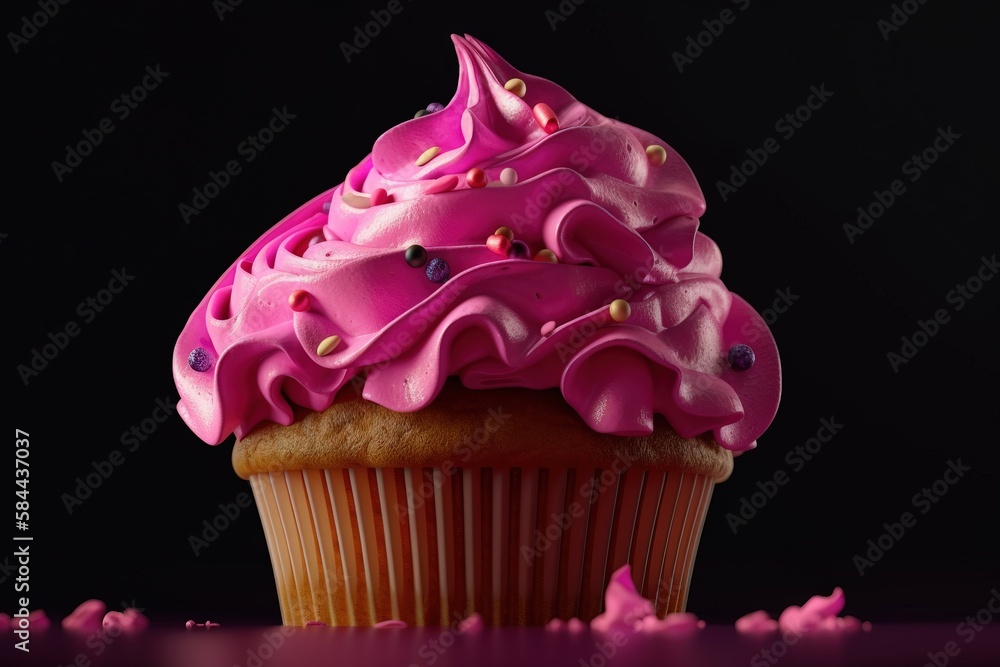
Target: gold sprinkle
point(328, 345)
point(427, 155)
point(620, 310)
point(516, 86)
point(657, 154)
point(505, 231)
point(546, 255)
point(356, 201)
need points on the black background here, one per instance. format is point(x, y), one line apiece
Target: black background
point(782, 230)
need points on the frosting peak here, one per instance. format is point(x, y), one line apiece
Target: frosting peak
point(610, 210)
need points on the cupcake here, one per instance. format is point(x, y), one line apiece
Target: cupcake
point(493, 366)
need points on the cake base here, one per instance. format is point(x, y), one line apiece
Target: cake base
point(520, 546)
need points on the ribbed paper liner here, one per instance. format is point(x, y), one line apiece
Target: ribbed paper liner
point(429, 546)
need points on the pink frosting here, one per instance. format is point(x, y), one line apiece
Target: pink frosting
point(820, 612)
point(620, 225)
point(627, 611)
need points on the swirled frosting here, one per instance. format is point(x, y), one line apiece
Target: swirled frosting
point(622, 225)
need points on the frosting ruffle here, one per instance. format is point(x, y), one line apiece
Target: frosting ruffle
point(621, 225)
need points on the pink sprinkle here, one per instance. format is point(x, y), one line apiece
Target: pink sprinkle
point(86, 617)
point(391, 623)
point(190, 625)
point(380, 196)
point(548, 327)
point(473, 623)
point(443, 184)
point(546, 117)
point(310, 624)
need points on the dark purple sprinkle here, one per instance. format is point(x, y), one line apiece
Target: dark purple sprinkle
point(200, 360)
point(326, 207)
point(519, 250)
point(741, 357)
point(415, 256)
point(434, 107)
point(438, 270)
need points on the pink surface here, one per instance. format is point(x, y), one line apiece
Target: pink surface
point(620, 226)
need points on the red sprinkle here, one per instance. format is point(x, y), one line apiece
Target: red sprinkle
point(476, 178)
point(546, 117)
point(443, 184)
point(299, 301)
point(499, 244)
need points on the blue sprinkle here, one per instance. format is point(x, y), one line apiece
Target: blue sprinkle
point(438, 270)
point(741, 357)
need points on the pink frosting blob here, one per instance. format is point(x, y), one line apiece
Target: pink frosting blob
point(620, 225)
point(820, 612)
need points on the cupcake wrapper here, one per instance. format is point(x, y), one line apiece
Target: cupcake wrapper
point(430, 546)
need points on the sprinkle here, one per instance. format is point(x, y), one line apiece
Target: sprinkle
point(328, 345)
point(546, 117)
point(741, 356)
point(548, 327)
point(391, 623)
point(505, 231)
point(380, 196)
point(546, 255)
point(437, 270)
point(357, 201)
point(415, 256)
point(519, 250)
point(619, 310)
point(516, 86)
point(422, 112)
point(299, 301)
point(657, 154)
point(476, 178)
point(200, 359)
point(499, 244)
point(434, 107)
point(190, 625)
point(326, 207)
point(310, 624)
point(427, 155)
point(443, 184)
point(508, 176)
